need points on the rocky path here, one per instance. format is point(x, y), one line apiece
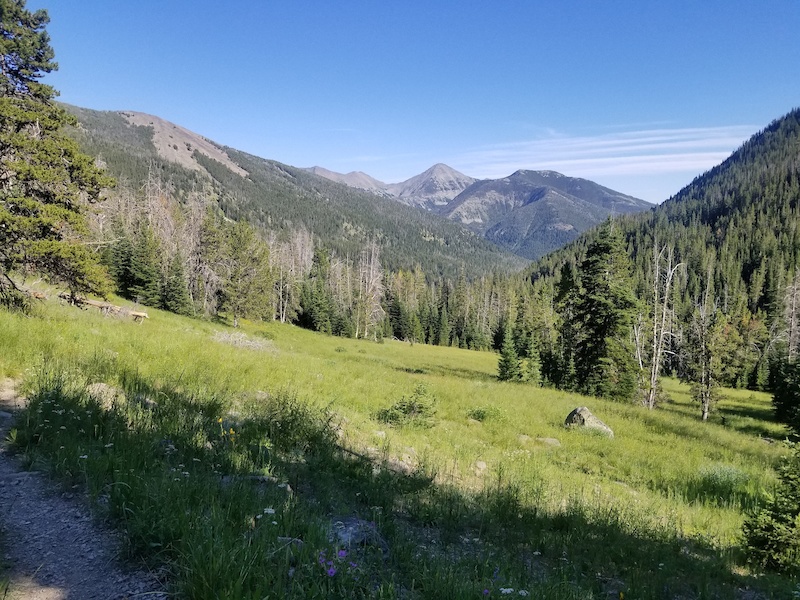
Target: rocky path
point(52, 548)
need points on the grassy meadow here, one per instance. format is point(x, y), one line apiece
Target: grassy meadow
point(263, 463)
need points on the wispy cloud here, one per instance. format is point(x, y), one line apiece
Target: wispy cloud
point(632, 153)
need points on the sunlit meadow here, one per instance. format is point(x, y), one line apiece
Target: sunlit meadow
point(272, 462)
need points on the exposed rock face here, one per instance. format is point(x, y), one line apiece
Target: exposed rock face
point(532, 213)
point(433, 189)
point(529, 213)
point(583, 417)
point(178, 144)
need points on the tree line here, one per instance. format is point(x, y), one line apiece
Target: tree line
point(704, 287)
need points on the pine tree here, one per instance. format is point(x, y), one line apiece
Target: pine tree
point(247, 281)
point(772, 534)
point(604, 355)
point(508, 368)
point(146, 269)
point(120, 258)
point(702, 353)
point(533, 364)
point(316, 300)
point(175, 294)
point(566, 300)
point(443, 330)
point(46, 181)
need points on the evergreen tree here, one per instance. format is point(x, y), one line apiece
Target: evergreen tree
point(702, 354)
point(772, 534)
point(786, 392)
point(533, 365)
point(317, 305)
point(443, 330)
point(175, 294)
point(508, 368)
point(120, 260)
point(562, 372)
point(47, 182)
point(604, 354)
point(247, 281)
point(146, 269)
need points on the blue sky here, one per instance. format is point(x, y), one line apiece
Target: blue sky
point(640, 96)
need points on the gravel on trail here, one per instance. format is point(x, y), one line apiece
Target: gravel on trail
point(51, 547)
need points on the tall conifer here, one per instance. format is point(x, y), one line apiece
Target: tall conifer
point(46, 181)
point(604, 356)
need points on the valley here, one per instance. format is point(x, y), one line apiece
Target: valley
point(269, 381)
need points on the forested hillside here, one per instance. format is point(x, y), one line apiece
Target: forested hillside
point(732, 238)
point(728, 243)
point(281, 199)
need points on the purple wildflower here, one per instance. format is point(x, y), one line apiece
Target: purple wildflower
point(331, 571)
point(341, 553)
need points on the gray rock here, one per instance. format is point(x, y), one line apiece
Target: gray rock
point(353, 532)
point(106, 395)
point(551, 441)
point(583, 417)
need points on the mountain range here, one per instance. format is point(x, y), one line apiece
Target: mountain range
point(144, 152)
point(439, 218)
point(529, 213)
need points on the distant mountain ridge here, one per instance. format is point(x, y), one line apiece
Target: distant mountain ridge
point(529, 213)
point(139, 149)
point(431, 189)
point(532, 213)
point(439, 218)
point(355, 179)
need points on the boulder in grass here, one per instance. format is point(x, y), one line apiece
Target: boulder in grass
point(583, 417)
point(107, 396)
point(353, 533)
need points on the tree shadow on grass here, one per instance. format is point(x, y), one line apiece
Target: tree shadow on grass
point(442, 537)
point(503, 534)
point(439, 370)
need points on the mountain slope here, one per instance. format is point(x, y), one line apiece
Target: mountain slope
point(532, 213)
point(740, 221)
point(432, 189)
point(355, 179)
point(280, 198)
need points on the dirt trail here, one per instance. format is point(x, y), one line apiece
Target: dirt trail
point(53, 549)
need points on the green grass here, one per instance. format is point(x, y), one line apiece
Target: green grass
point(476, 499)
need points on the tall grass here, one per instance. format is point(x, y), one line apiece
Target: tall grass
point(232, 464)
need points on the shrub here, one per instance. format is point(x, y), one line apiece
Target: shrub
point(417, 409)
point(486, 413)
